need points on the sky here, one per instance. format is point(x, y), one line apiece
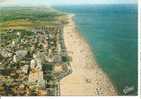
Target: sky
point(64, 2)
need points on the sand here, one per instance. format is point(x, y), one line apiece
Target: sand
point(87, 78)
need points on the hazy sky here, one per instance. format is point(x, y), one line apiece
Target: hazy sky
point(90, 1)
point(56, 2)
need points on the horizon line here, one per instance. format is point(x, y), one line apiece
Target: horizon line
point(43, 5)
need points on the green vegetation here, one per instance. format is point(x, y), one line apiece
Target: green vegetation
point(28, 17)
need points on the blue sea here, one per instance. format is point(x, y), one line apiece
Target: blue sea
point(111, 31)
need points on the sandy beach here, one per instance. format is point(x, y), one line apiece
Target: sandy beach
point(87, 78)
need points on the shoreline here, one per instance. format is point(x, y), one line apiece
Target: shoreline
point(93, 54)
point(87, 79)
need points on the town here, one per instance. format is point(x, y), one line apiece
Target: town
point(32, 62)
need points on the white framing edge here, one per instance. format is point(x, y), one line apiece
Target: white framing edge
point(139, 47)
point(139, 63)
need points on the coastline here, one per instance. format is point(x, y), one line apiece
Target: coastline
point(87, 79)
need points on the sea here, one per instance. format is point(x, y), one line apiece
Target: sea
point(111, 31)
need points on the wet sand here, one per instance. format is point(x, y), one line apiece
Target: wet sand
point(87, 78)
